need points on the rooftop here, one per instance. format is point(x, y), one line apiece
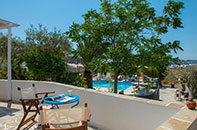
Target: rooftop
point(6, 24)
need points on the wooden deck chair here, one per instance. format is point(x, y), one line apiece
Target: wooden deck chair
point(65, 119)
point(30, 101)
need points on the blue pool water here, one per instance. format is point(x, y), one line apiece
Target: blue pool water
point(107, 84)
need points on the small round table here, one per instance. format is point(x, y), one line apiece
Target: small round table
point(56, 103)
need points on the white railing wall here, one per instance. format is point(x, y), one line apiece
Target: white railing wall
point(109, 111)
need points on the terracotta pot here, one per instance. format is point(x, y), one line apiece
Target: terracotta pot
point(185, 95)
point(121, 92)
point(191, 104)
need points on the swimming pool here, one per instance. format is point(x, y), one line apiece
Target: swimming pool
point(107, 84)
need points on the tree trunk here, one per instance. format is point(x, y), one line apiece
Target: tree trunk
point(115, 82)
point(152, 72)
point(18, 76)
point(159, 82)
point(88, 76)
point(138, 78)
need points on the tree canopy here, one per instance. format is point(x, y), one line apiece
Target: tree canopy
point(44, 65)
point(18, 49)
point(131, 29)
point(90, 43)
point(46, 53)
point(40, 37)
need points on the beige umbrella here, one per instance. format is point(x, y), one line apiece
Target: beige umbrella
point(75, 68)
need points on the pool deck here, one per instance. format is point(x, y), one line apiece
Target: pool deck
point(167, 94)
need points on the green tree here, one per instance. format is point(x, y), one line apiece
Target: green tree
point(17, 46)
point(186, 75)
point(50, 41)
point(127, 26)
point(130, 25)
point(46, 53)
point(157, 57)
point(44, 65)
point(18, 49)
point(90, 42)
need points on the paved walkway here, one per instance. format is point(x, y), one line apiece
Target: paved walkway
point(167, 95)
point(11, 115)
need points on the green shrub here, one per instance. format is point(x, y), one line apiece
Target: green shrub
point(81, 81)
point(68, 78)
point(44, 64)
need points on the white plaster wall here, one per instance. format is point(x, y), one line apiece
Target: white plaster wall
point(4, 90)
point(109, 111)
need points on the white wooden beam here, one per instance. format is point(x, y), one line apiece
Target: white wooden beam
point(9, 65)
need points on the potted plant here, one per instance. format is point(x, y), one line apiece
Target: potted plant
point(188, 77)
point(149, 85)
point(192, 86)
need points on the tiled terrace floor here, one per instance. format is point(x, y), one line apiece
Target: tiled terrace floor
point(11, 115)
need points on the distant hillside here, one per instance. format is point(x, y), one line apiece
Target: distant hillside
point(190, 61)
point(185, 63)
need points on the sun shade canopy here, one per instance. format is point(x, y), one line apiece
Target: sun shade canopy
point(6, 24)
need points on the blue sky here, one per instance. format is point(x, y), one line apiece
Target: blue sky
point(61, 14)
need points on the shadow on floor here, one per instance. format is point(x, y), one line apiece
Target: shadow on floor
point(28, 127)
point(7, 111)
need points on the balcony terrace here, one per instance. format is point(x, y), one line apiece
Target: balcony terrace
point(109, 111)
point(11, 114)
